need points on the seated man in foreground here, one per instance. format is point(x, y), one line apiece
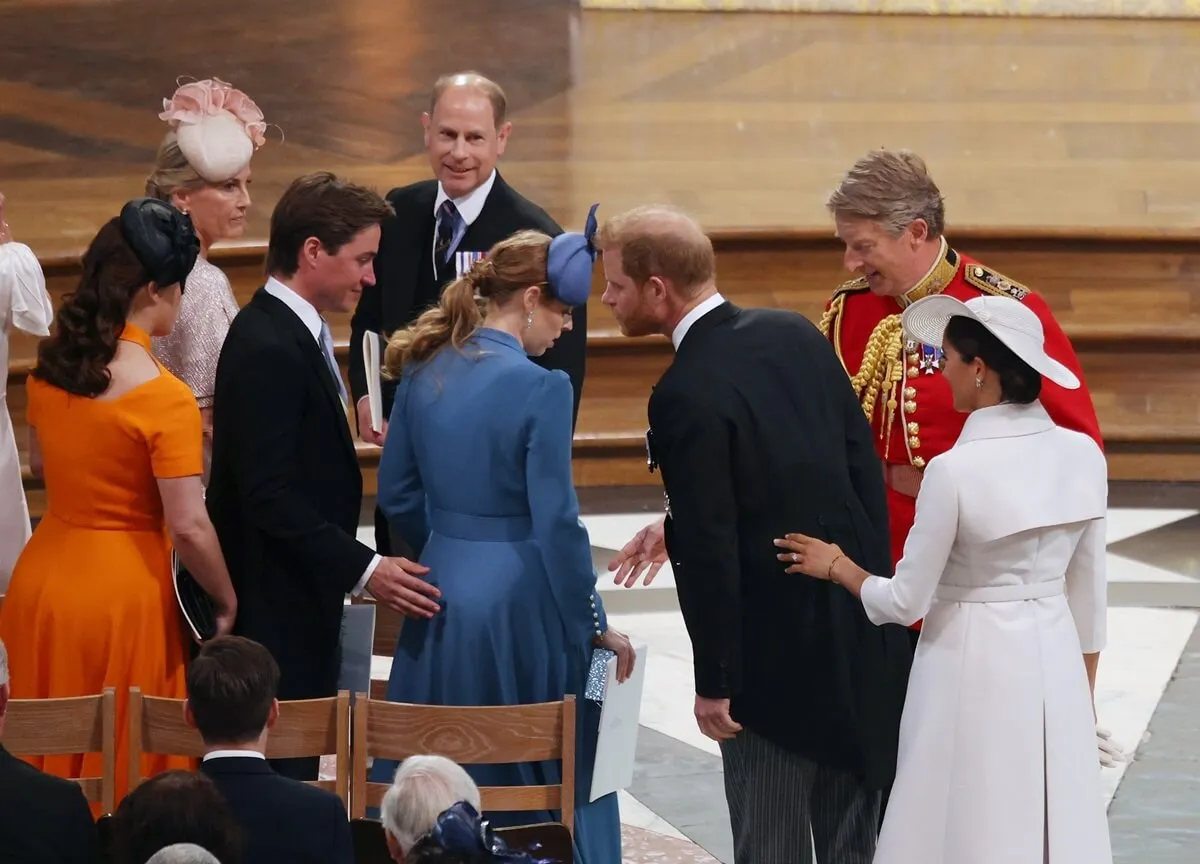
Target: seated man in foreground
point(232, 704)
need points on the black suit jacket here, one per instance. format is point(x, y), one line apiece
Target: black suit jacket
point(43, 819)
point(282, 820)
point(758, 433)
point(406, 284)
point(285, 494)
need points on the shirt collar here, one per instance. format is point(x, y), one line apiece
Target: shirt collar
point(233, 754)
point(698, 312)
point(304, 310)
point(470, 205)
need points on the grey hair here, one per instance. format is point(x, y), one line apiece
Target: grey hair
point(183, 853)
point(424, 786)
point(892, 188)
point(3, 664)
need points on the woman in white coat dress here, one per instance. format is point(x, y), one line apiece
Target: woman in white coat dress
point(25, 305)
point(998, 758)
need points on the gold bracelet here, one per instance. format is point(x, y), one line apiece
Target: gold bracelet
point(829, 573)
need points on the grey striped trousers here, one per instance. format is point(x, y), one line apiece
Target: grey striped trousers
point(781, 805)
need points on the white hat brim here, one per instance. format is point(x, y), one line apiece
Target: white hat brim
point(926, 320)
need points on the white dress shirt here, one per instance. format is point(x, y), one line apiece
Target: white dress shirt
point(693, 316)
point(233, 754)
point(311, 318)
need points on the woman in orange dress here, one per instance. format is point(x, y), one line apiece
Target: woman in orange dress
point(117, 438)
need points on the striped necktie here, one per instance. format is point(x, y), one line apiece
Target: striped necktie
point(327, 350)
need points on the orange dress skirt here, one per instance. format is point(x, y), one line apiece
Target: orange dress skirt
point(91, 602)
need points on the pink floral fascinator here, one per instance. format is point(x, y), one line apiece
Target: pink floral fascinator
point(218, 127)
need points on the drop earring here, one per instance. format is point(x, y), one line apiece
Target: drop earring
point(978, 382)
point(529, 321)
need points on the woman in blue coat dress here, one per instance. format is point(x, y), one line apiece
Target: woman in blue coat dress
point(476, 477)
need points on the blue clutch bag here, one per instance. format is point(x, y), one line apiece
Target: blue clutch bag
point(598, 675)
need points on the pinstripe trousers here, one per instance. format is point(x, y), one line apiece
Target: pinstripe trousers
point(781, 805)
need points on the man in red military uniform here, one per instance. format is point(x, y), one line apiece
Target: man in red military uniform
point(890, 215)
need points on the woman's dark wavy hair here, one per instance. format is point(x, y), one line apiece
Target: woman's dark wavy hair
point(1019, 382)
point(75, 357)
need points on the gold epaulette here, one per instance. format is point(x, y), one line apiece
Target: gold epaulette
point(834, 310)
point(853, 286)
point(991, 282)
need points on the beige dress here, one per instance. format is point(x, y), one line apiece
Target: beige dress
point(193, 347)
point(25, 305)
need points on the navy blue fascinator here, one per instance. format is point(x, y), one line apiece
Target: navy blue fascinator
point(461, 830)
point(570, 262)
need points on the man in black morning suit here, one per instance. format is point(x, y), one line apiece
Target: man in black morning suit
point(755, 428)
point(285, 491)
point(440, 227)
point(43, 819)
point(231, 702)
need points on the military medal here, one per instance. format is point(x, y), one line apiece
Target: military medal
point(464, 261)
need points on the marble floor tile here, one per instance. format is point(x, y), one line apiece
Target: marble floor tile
point(638, 815)
point(640, 846)
point(1144, 647)
point(1124, 522)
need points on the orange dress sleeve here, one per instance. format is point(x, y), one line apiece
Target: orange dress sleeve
point(174, 433)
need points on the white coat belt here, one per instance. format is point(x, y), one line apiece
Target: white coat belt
point(1000, 593)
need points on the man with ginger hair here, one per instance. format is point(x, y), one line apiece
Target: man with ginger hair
point(441, 227)
point(891, 216)
point(757, 433)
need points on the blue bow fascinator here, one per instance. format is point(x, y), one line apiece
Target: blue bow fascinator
point(570, 262)
point(460, 829)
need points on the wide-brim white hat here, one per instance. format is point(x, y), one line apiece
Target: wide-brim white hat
point(1009, 320)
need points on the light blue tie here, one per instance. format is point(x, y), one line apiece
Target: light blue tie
point(327, 350)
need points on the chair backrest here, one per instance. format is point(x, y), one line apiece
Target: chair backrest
point(306, 727)
point(69, 726)
point(388, 623)
point(470, 735)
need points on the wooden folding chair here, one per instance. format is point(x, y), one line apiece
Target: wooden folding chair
point(306, 727)
point(69, 726)
point(469, 735)
point(388, 623)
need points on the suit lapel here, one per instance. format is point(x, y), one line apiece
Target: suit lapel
point(314, 356)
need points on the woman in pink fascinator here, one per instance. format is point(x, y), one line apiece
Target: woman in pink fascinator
point(203, 169)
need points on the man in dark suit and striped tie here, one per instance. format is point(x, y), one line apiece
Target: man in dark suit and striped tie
point(755, 427)
point(441, 226)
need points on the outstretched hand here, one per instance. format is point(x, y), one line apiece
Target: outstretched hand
point(645, 553)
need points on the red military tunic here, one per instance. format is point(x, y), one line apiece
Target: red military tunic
point(902, 390)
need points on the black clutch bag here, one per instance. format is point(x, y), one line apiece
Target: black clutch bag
point(197, 608)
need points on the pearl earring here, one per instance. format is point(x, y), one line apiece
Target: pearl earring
point(528, 320)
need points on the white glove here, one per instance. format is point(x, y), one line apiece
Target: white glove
point(1110, 752)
